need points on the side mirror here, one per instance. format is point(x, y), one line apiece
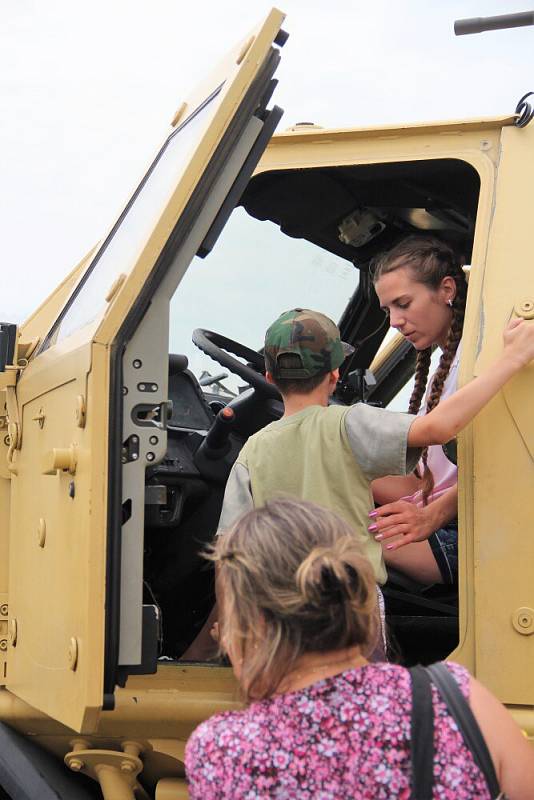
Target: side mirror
point(8, 341)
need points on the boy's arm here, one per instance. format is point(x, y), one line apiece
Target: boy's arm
point(451, 415)
point(237, 497)
point(378, 440)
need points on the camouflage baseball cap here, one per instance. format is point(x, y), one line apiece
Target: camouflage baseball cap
point(311, 336)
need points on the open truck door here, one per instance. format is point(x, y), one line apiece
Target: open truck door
point(89, 408)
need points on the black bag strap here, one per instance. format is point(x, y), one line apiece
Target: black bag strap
point(422, 735)
point(461, 712)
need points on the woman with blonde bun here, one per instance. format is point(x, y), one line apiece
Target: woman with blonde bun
point(298, 620)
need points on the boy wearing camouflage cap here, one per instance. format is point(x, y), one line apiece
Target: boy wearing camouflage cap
point(328, 454)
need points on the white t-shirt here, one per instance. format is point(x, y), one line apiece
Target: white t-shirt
point(444, 471)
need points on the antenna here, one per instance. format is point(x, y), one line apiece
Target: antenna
point(481, 24)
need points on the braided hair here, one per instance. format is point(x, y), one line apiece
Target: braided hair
point(430, 260)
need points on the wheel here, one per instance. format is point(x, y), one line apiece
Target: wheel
point(224, 350)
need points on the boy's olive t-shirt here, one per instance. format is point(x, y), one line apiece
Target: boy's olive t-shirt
point(326, 455)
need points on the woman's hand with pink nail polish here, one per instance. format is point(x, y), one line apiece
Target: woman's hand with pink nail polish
point(402, 519)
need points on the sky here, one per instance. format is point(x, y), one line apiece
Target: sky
point(87, 92)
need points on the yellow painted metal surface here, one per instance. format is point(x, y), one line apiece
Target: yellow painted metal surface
point(502, 483)
point(171, 789)
point(158, 711)
point(310, 131)
point(56, 576)
point(4, 563)
point(59, 475)
point(478, 146)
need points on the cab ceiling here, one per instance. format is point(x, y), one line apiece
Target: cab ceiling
point(436, 197)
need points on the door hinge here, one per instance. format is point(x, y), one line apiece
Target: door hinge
point(8, 382)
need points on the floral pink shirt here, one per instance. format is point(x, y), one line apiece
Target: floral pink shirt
point(344, 737)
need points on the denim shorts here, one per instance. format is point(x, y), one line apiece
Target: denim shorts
point(444, 545)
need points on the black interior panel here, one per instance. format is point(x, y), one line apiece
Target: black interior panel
point(311, 203)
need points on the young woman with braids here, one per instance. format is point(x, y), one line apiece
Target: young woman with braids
point(298, 621)
point(421, 285)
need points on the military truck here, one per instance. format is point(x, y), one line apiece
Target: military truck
point(116, 446)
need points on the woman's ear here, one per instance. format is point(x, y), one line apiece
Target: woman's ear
point(448, 289)
point(269, 377)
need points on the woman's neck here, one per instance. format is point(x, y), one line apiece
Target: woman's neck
point(313, 667)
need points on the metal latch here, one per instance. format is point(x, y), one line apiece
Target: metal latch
point(149, 415)
point(60, 458)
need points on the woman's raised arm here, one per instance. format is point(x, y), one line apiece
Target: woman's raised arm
point(451, 415)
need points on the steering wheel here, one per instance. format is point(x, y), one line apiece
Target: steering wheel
point(216, 346)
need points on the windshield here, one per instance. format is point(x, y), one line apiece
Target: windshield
point(253, 274)
point(119, 252)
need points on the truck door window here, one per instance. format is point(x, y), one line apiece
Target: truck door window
point(131, 232)
point(254, 274)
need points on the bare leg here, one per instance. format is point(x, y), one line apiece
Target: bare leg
point(416, 560)
point(203, 648)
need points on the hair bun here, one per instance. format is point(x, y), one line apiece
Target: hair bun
point(325, 576)
point(330, 587)
point(294, 581)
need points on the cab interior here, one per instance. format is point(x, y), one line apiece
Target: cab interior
point(352, 213)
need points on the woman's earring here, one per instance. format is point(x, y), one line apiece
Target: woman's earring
point(449, 302)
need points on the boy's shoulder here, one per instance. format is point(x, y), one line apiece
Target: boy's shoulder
point(295, 420)
point(353, 415)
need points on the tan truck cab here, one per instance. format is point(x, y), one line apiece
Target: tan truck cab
point(115, 452)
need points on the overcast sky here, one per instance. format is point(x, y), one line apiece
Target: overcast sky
point(88, 91)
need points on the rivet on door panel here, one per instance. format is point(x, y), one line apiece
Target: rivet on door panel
point(525, 308)
point(523, 620)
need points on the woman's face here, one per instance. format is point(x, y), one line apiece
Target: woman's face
point(423, 315)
